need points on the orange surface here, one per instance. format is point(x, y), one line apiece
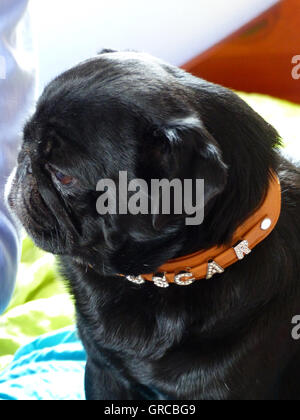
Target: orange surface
point(258, 58)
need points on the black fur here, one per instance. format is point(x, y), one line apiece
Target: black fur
point(227, 338)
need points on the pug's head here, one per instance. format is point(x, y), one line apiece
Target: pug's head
point(116, 112)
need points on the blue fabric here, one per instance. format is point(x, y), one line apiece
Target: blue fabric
point(9, 258)
point(17, 92)
point(49, 368)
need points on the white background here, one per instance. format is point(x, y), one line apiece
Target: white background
point(69, 31)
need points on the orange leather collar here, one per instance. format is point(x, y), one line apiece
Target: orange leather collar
point(184, 271)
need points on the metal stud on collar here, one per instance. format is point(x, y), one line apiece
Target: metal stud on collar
point(213, 268)
point(242, 249)
point(160, 280)
point(189, 279)
point(136, 279)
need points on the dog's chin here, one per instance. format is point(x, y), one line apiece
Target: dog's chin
point(46, 239)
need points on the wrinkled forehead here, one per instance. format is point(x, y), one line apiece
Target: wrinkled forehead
point(103, 102)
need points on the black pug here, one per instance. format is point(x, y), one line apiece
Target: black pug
point(228, 338)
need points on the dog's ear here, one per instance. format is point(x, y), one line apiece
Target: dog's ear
point(183, 149)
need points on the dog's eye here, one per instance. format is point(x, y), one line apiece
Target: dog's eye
point(60, 178)
point(63, 179)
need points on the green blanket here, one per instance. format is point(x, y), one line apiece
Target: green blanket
point(41, 304)
point(284, 116)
